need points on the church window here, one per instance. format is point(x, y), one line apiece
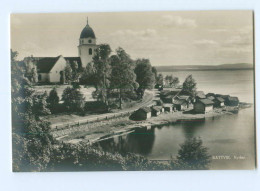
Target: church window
point(90, 51)
point(89, 41)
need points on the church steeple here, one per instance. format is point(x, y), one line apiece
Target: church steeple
point(87, 45)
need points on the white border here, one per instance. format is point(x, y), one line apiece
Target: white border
point(170, 180)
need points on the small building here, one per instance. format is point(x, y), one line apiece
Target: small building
point(225, 97)
point(168, 107)
point(219, 102)
point(200, 95)
point(142, 114)
point(232, 101)
point(180, 104)
point(210, 94)
point(156, 110)
point(203, 105)
point(211, 98)
point(169, 99)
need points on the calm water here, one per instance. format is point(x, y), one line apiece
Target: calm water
point(229, 135)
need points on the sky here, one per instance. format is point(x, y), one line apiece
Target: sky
point(166, 38)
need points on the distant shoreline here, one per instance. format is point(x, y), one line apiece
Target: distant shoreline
point(224, 69)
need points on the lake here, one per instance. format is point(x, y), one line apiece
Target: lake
point(232, 136)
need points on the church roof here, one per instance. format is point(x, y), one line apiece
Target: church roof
point(87, 32)
point(45, 64)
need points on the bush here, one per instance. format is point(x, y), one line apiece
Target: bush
point(192, 156)
point(73, 99)
point(53, 101)
point(40, 105)
point(96, 107)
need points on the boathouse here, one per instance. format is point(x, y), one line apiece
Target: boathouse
point(200, 95)
point(180, 104)
point(232, 101)
point(203, 105)
point(156, 110)
point(219, 102)
point(142, 114)
point(168, 107)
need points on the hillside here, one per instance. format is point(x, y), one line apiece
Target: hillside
point(239, 66)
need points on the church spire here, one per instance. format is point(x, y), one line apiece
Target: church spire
point(87, 20)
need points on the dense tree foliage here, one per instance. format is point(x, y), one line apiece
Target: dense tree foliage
point(31, 137)
point(192, 156)
point(102, 71)
point(144, 76)
point(189, 85)
point(159, 80)
point(123, 78)
point(73, 99)
point(172, 81)
point(68, 73)
point(53, 101)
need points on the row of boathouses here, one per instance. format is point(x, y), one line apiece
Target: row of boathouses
point(171, 100)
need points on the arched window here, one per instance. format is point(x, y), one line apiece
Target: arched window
point(90, 51)
point(89, 41)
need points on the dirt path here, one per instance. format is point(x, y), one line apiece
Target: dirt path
point(71, 119)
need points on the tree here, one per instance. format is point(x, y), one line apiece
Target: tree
point(40, 104)
point(68, 73)
point(159, 80)
point(31, 135)
point(172, 81)
point(144, 76)
point(75, 71)
point(53, 100)
point(73, 99)
point(102, 71)
point(34, 76)
point(192, 156)
point(154, 70)
point(175, 81)
point(88, 76)
point(189, 85)
point(123, 76)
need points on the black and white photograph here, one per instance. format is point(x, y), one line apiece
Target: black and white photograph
point(133, 91)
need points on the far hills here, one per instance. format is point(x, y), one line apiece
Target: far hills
point(239, 66)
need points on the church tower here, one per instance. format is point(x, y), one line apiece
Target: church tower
point(87, 45)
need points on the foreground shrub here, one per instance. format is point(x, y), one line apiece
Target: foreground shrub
point(73, 99)
point(192, 156)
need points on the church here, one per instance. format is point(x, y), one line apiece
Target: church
point(50, 69)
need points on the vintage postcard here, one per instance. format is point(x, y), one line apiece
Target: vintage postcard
point(133, 91)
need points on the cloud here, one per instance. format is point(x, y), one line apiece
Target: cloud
point(205, 43)
point(177, 21)
point(217, 30)
point(136, 33)
point(239, 40)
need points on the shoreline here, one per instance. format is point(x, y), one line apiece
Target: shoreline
point(92, 133)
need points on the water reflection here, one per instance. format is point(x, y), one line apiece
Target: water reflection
point(140, 141)
point(190, 127)
point(224, 135)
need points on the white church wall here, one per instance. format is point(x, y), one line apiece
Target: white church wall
point(57, 68)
